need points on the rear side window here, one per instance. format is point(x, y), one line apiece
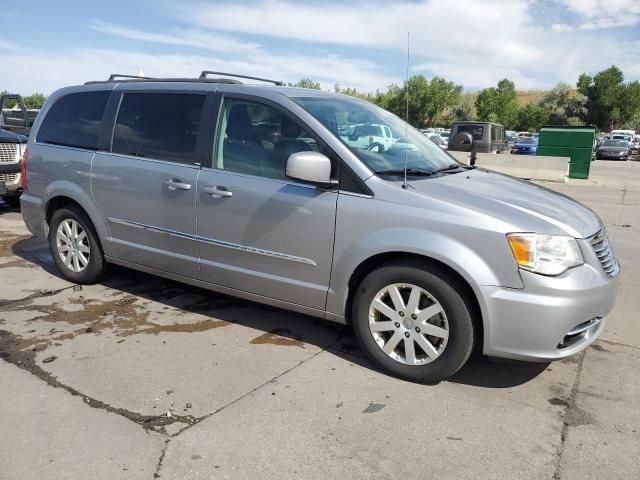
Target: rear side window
point(162, 126)
point(497, 133)
point(74, 120)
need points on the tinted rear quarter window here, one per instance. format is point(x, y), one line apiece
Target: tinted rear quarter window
point(476, 131)
point(161, 126)
point(74, 120)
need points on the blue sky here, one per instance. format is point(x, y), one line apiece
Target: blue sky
point(46, 45)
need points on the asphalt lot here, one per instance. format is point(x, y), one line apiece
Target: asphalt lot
point(140, 377)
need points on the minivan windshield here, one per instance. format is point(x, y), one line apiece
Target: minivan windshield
point(379, 138)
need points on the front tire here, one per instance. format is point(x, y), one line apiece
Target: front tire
point(413, 322)
point(75, 247)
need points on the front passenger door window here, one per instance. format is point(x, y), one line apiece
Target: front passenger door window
point(257, 139)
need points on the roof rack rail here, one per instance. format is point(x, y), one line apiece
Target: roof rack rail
point(114, 76)
point(204, 73)
point(131, 78)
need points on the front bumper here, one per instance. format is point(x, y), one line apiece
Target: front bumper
point(10, 176)
point(12, 183)
point(612, 156)
point(551, 317)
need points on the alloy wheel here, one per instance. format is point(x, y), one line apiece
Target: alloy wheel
point(408, 324)
point(72, 245)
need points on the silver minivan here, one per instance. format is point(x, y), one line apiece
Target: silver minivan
point(258, 191)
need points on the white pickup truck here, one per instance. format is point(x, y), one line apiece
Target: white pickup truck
point(370, 135)
point(15, 125)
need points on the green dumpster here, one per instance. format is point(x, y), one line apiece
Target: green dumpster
point(573, 142)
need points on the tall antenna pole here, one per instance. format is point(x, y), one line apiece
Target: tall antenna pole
point(406, 119)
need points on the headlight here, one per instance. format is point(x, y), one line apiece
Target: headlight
point(545, 254)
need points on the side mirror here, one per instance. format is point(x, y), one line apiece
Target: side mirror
point(312, 167)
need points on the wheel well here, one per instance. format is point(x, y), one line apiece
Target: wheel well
point(461, 284)
point(57, 203)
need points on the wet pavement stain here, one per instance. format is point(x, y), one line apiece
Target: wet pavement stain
point(279, 336)
point(558, 402)
point(7, 241)
point(374, 407)
point(18, 263)
point(123, 317)
point(154, 328)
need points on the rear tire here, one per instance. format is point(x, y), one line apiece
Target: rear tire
point(75, 247)
point(434, 334)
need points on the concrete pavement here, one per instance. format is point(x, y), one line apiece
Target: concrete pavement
point(140, 377)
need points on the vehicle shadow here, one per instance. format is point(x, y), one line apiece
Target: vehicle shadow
point(277, 324)
point(6, 208)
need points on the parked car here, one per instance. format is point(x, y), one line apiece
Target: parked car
point(12, 146)
point(634, 149)
point(438, 140)
point(525, 146)
point(370, 136)
point(484, 137)
point(613, 150)
point(625, 137)
point(17, 118)
point(426, 258)
point(15, 124)
point(524, 135)
point(630, 133)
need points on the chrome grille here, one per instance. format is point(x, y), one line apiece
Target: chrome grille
point(8, 152)
point(604, 252)
point(9, 178)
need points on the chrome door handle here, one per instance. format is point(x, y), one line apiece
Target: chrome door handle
point(177, 185)
point(217, 192)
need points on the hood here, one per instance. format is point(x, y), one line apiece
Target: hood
point(613, 149)
point(521, 203)
point(10, 137)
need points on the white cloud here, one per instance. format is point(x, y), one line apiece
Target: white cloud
point(435, 26)
point(562, 28)
point(76, 66)
point(182, 37)
point(466, 41)
point(601, 14)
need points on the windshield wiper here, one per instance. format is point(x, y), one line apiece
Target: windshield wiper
point(410, 171)
point(452, 166)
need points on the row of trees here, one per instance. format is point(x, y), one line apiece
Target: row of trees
point(604, 100)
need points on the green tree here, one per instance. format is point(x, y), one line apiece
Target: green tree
point(610, 101)
point(464, 110)
point(565, 105)
point(498, 104)
point(428, 99)
point(35, 100)
point(305, 83)
point(532, 117)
